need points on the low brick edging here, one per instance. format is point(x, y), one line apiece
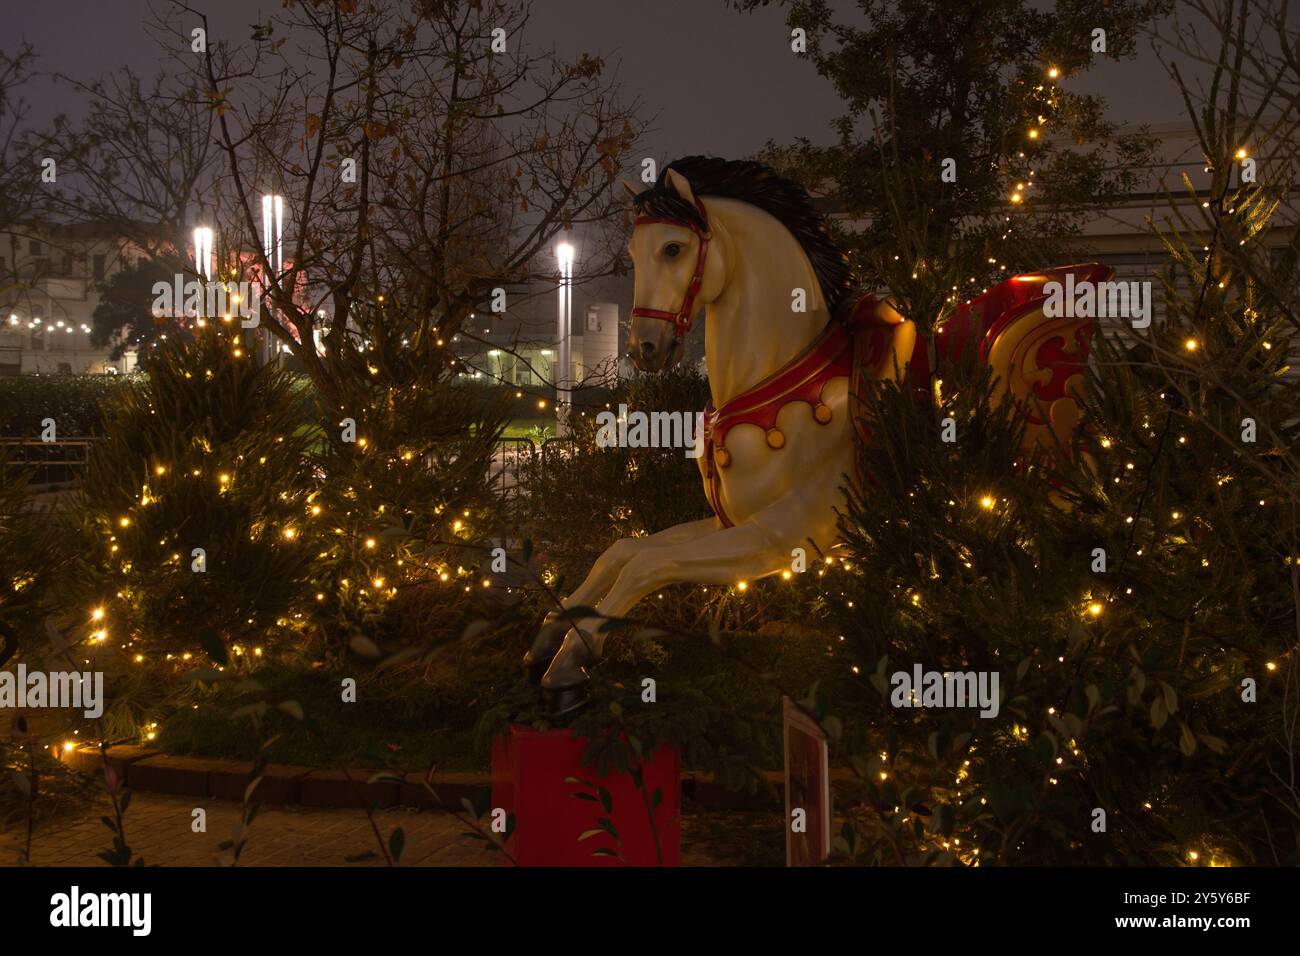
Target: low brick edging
point(289, 785)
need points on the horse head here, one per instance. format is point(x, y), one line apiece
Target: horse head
point(678, 269)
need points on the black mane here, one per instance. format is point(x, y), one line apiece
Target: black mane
point(759, 186)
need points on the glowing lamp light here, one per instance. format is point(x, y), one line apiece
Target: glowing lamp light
point(273, 231)
point(203, 252)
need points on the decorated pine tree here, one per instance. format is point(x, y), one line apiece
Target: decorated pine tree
point(407, 505)
point(196, 508)
point(1137, 603)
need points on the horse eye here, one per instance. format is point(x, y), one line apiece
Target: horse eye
point(672, 249)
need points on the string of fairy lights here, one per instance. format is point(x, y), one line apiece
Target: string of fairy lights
point(386, 565)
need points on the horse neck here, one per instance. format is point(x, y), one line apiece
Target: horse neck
point(751, 329)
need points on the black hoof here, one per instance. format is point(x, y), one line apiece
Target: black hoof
point(545, 646)
point(535, 667)
point(566, 700)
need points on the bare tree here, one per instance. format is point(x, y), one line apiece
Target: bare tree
point(427, 159)
point(23, 193)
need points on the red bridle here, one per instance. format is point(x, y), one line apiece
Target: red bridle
point(681, 319)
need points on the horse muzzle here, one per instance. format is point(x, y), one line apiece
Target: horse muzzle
point(656, 353)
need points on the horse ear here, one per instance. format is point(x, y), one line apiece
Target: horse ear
point(632, 191)
point(680, 186)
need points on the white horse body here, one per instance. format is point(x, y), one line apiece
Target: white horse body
point(780, 440)
point(777, 499)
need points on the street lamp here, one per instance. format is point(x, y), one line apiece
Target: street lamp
point(273, 248)
point(273, 232)
point(203, 252)
point(564, 363)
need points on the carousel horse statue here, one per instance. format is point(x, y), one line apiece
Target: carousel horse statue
point(779, 439)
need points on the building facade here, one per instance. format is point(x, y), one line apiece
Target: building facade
point(49, 277)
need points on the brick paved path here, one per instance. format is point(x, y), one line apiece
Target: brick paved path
point(158, 829)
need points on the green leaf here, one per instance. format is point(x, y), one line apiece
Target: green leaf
point(834, 727)
point(606, 799)
point(292, 708)
point(1214, 744)
point(1045, 747)
point(588, 834)
point(396, 844)
point(213, 646)
point(1187, 742)
point(1158, 713)
point(608, 825)
point(364, 646)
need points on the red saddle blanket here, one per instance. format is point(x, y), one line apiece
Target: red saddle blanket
point(1037, 360)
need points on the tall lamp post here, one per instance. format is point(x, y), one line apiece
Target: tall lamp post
point(273, 247)
point(564, 323)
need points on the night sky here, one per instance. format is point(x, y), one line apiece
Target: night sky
point(713, 80)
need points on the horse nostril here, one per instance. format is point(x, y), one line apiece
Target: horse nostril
point(647, 349)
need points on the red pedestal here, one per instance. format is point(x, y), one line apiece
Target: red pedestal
point(529, 769)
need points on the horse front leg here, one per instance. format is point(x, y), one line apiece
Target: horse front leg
point(598, 582)
point(745, 552)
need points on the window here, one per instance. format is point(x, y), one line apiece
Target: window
point(34, 247)
point(99, 267)
point(67, 265)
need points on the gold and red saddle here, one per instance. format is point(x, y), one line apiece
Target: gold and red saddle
point(1039, 361)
